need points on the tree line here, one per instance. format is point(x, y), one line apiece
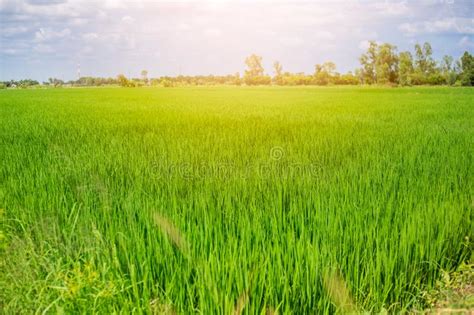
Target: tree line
point(381, 64)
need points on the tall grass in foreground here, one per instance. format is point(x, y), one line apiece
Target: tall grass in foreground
point(228, 200)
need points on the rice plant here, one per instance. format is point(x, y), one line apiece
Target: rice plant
point(232, 200)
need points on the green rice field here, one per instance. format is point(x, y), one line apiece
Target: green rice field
point(232, 200)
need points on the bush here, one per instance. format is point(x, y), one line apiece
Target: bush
point(166, 83)
point(2, 86)
point(417, 79)
point(436, 79)
point(465, 80)
point(258, 80)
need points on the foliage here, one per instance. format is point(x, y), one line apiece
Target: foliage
point(453, 293)
point(380, 64)
point(55, 82)
point(166, 83)
point(93, 81)
point(124, 82)
point(144, 75)
point(467, 65)
point(254, 73)
point(405, 68)
point(424, 63)
point(278, 69)
point(19, 83)
point(368, 62)
point(199, 80)
point(324, 74)
point(221, 199)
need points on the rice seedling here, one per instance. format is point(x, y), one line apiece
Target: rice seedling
point(232, 200)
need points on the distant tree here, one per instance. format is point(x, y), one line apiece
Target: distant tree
point(324, 73)
point(405, 68)
point(254, 73)
point(55, 82)
point(144, 75)
point(278, 69)
point(467, 67)
point(236, 79)
point(447, 64)
point(346, 79)
point(166, 83)
point(448, 70)
point(359, 75)
point(254, 66)
point(124, 82)
point(329, 67)
point(379, 64)
point(369, 62)
point(425, 66)
point(386, 64)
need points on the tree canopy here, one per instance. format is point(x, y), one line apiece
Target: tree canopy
point(380, 64)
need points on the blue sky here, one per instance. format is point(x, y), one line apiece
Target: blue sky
point(49, 38)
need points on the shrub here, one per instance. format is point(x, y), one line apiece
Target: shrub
point(166, 83)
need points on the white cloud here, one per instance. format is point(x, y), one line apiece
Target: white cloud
point(47, 34)
point(43, 48)
point(213, 32)
point(364, 45)
point(466, 42)
point(445, 25)
point(184, 27)
point(393, 8)
point(86, 50)
point(324, 35)
point(45, 2)
point(102, 15)
point(128, 19)
point(114, 4)
point(409, 29)
point(9, 51)
point(14, 30)
point(90, 36)
point(292, 41)
point(79, 21)
point(298, 33)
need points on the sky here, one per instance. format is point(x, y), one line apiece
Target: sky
point(50, 38)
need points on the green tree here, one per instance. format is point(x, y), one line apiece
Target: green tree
point(379, 64)
point(55, 82)
point(324, 73)
point(425, 66)
point(467, 67)
point(448, 70)
point(368, 62)
point(405, 68)
point(236, 80)
point(254, 72)
point(386, 64)
point(124, 82)
point(447, 64)
point(278, 69)
point(144, 75)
